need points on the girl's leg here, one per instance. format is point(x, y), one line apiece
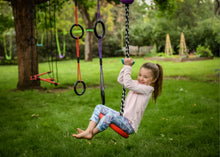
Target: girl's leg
point(92, 129)
point(110, 116)
point(100, 109)
point(115, 118)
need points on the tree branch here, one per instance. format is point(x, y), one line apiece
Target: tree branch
point(217, 7)
point(85, 15)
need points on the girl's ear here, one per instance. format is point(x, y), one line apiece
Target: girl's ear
point(153, 81)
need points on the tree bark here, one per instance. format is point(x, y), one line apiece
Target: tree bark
point(89, 35)
point(217, 7)
point(24, 20)
point(88, 46)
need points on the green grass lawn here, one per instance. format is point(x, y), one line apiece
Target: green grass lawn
point(183, 123)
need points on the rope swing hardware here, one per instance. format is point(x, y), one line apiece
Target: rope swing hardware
point(89, 30)
point(122, 61)
point(77, 52)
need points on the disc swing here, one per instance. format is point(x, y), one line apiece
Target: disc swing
point(99, 37)
point(61, 54)
point(126, 2)
point(41, 41)
point(79, 81)
point(7, 56)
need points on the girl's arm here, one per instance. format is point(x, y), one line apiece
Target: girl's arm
point(120, 76)
point(127, 61)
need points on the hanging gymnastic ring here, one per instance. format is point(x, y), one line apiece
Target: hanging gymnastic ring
point(103, 29)
point(71, 33)
point(84, 88)
point(103, 96)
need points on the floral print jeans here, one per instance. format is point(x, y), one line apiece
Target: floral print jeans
point(110, 116)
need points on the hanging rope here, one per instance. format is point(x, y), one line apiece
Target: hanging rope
point(42, 34)
point(52, 26)
point(126, 2)
point(99, 37)
point(47, 25)
point(54, 17)
point(8, 57)
point(50, 54)
point(61, 55)
point(77, 53)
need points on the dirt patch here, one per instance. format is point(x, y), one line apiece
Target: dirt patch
point(57, 89)
point(64, 89)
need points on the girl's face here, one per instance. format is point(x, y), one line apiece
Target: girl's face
point(145, 76)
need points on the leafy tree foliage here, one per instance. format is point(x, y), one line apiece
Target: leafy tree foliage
point(193, 17)
point(5, 17)
point(6, 23)
point(149, 24)
point(167, 7)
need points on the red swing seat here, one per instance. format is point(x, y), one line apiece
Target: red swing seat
point(116, 128)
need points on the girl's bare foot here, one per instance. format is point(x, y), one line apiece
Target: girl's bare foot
point(84, 134)
point(80, 130)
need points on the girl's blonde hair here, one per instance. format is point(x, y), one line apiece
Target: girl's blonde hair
point(157, 72)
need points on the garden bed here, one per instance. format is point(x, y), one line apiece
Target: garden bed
point(178, 59)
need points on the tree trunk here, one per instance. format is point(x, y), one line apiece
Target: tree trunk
point(24, 20)
point(88, 46)
point(89, 35)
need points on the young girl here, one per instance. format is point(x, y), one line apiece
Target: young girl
point(148, 83)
